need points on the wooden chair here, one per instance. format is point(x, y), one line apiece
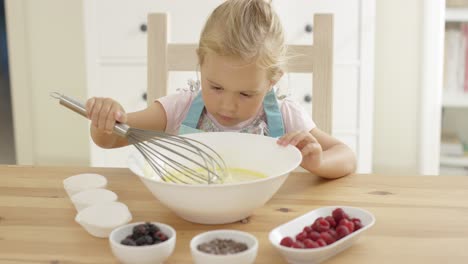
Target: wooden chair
point(316, 58)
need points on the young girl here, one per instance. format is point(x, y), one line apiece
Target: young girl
point(241, 55)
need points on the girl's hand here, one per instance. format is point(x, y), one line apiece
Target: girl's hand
point(104, 112)
point(308, 145)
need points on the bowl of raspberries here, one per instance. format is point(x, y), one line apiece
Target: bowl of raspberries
point(143, 242)
point(320, 234)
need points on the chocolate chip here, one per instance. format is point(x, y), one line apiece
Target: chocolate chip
point(222, 247)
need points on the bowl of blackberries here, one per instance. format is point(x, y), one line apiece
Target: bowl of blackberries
point(142, 242)
point(224, 246)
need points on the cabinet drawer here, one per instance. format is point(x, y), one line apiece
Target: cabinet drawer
point(127, 84)
point(296, 16)
point(124, 83)
point(119, 23)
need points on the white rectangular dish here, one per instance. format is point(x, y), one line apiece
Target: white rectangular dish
point(317, 255)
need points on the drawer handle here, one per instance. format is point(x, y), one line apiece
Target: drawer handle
point(144, 96)
point(143, 27)
point(307, 98)
point(308, 28)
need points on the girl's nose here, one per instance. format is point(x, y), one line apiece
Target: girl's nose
point(228, 102)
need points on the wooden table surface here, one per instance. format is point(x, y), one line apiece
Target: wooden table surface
point(419, 219)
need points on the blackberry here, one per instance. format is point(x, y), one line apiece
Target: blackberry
point(128, 242)
point(141, 241)
point(149, 240)
point(152, 228)
point(139, 231)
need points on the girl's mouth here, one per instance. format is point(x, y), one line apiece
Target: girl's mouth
point(225, 118)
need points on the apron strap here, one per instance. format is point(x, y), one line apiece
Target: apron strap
point(194, 113)
point(273, 114)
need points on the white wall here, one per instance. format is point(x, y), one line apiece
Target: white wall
point(47, 54)
point(397, 86)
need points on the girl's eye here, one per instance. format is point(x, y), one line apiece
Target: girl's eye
point(216, 88)
point(246, 95)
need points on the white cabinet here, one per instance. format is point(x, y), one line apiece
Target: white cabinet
point(116, 59)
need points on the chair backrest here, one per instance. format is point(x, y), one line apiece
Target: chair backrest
point(316, 59)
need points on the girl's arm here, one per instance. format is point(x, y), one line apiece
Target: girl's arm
point(337, 158)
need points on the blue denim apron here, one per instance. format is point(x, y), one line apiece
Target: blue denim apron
point(270, 106)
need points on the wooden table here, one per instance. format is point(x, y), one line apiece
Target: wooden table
point(419, 219)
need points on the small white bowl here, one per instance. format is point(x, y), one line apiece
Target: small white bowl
point(245, 257)
point(81, 182)
point(100, 219)
point(90, 197)
point(317, 255)
point(155, 254)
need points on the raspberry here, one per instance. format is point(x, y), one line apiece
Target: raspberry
point(301, 236)
point(321, 225)
point(321, 242)
point(339, 214)
point(327, 237)
point(331, 220)
point(316, 220)
point(160, 236)
point(348, 224)
point(342, 231)
point(308, 243)
point(307, 229)
point(357, 223)
point(357, 226)
point(314, 235)
point(287, 242)
point(332, 232)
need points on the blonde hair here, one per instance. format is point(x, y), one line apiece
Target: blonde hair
point(246, 29)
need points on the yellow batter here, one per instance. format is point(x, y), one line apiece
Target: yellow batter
point(234, 175)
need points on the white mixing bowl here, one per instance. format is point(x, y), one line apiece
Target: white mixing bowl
point(225, 203)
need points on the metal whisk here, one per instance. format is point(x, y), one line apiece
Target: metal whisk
point(173, 158)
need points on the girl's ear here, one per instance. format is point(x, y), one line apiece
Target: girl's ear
point(277, 78)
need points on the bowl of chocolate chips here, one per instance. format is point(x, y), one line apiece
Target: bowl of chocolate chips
point(143, 242)
point(224, 246)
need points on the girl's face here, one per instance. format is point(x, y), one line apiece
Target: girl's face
point(233, 89)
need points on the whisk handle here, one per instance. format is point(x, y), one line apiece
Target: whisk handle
point(79, 108)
